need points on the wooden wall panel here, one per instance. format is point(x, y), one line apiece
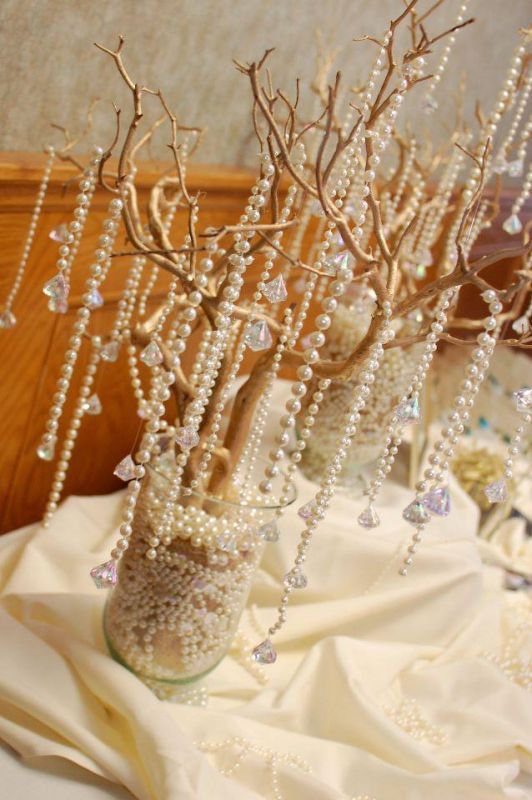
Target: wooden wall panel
point(31, 354)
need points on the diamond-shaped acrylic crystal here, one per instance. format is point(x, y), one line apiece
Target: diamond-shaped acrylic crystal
point(429, 105)
point(521, 325)
point(104, 575)
point(152, 355)
point(7, 320)
point(57, 287)
point(438, 501)
point(125, 469)
point(187, 437)
point(46, 449)
point(296, 579)
point(275, 290)
point(264, 653)
point(415, 513)
point(408, 411)
point(109, 351)
point(369, 518)
point(269, 531)
point(258, 336)
point(59, 234)
point(94, 299)
point(306, 511)
point(496, 492)
point(512, 225)
point(515, 168)
point(92, 405)
point(523, 400)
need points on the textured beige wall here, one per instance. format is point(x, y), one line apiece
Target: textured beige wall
point(50, 68)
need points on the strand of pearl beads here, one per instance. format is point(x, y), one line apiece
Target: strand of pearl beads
point(71, 433)
point(513, 224)
point(7, 318)
point(434, 481)
point(46, 448)
point(497, 492)
point(429, 104)
point(187, 436)
point(394, 429)
point(294, 579)
point(500, 164)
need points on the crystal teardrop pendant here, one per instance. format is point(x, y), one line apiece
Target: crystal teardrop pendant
point(7, 320)
point(408, 411)
point(57, 290)
point(415, 513)
point(496, 492)
point(269, 531)
point(187, 438)
point(438, 501)
point(110, 351)
point(92, 405)
point(275, 290)
point(523, 400)
point(104, 575)
point(512, 225)
point(94, 300)
point(46, 449)
point(152, 355)
point(258, 336)
point(59, 234)
point(306, 511)
point(296, 579)
point(125, 469)
point(369, 518)
point(264, 653)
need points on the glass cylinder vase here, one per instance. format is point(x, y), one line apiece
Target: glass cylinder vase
point(171, 619)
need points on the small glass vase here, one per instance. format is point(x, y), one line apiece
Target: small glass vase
point(172, 619)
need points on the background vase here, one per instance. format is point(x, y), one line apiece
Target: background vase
point(350, 324)
point(172, 619)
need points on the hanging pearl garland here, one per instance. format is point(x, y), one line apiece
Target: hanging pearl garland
point(7, 318)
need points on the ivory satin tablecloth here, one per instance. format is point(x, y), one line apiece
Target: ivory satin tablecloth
point(363, 650)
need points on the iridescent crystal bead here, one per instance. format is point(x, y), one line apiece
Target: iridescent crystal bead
point(438, 501)
point(7, 320)
point(515, 168)
point(275, 290)
point(408, 410)
point(59, 234)
point(264, 653)
point(57, 287)
point(125, 469)
point(92, 405)
point(496, 492)
point(104, 575)
point(296, 579)
point(258, 336)
point(338, 261)
point(416, 513)
point(152, 355)
point(521, 325)
point(429, 105)
point(46, 449)
point(269, 531)
point(94, 299)
point(306, 511)
point(512, 225)
point(369, 518)
point(523, 400)
point(109, 351)
point(187, 437)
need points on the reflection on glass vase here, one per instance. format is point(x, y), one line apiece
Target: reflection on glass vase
point(171, 619)
point(350, 323)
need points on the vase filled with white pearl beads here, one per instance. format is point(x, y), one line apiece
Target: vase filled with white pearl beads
point(176, 605)
point(349, 326)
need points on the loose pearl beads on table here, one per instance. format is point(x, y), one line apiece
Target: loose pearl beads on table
point(7, 315)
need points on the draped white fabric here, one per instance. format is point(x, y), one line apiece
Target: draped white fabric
point(385, 686)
